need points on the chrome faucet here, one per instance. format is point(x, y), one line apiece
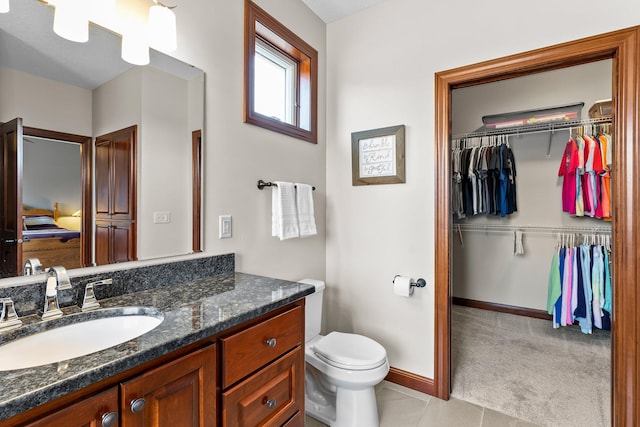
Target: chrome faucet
point(57, 280)
point(89, 301)
point(32, 266)
point(8, 316)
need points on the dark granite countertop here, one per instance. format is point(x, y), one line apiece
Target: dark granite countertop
point(192, 311)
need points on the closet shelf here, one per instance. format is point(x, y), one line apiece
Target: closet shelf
point(532, 128)
point(530, 228)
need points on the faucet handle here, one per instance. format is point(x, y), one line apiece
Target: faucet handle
point(32, 266)
point(89, 301)
point(8, 316)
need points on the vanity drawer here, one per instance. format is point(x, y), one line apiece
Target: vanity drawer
point(249, 350)
point(267, 398)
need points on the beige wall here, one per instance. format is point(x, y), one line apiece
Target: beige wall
point(43, 103)
point(165, 165)
point(381, 72)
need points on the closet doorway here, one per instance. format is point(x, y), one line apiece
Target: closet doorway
point(622, 47)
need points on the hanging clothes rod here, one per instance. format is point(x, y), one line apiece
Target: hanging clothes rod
point(535, 128)
point(531, 228)
point(262, 184)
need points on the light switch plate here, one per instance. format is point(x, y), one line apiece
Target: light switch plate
point(161, 217)
point(224, 226)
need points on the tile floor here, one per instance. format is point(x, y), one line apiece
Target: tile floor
point(402, 407)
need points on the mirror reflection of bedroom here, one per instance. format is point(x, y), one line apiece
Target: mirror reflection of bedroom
point(51, 202)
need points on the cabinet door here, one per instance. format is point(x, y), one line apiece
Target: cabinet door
point(102, 174)
point(96, 411)
point(116, 173)
point(122, 243)
point(103, 242)
point(181, 393)
point(114, 242)
point(123, 174)
point(268, 398)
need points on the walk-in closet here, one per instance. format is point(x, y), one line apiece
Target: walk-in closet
point(531, 244)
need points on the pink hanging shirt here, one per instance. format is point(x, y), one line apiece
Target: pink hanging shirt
point(567, 170)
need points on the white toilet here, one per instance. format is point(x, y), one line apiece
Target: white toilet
point(341, 370)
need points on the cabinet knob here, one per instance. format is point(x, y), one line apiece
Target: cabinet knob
point(137, 405)
point(271, 403)
point(271, 342)
point(110, 419)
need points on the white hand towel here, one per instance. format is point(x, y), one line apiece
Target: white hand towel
point(284, 217)
point(306, 215)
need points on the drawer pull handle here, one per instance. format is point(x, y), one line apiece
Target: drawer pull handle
point(271, 342)
point(109, 419)
point(271, 403)
point(137, 405)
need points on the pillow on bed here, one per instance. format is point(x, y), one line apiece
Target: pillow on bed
point(31, 222)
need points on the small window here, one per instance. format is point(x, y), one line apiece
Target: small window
point(281, 73)
point(274, 82)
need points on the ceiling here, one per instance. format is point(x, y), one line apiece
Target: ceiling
point(28, 44)
point(334, 10)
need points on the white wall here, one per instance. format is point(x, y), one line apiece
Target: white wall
point(51, 174)
point(165, 166)
point(381, 72)
point(43, 103)
point(117, 104)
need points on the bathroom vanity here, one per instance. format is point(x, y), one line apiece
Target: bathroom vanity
point(229, 352)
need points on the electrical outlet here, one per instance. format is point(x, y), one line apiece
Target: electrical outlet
point(224, 226)
point(161, 217)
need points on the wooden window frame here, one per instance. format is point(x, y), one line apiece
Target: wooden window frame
point(259, 24)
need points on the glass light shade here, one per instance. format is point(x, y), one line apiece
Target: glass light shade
point(4, 6)
point(102, 9)
point(135, 49)
point(71, 20)
point(162, 28)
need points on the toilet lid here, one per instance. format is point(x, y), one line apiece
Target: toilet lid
point(350, 351)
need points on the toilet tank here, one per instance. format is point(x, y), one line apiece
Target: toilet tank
point(313, 309)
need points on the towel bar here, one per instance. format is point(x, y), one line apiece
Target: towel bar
point(262, 184)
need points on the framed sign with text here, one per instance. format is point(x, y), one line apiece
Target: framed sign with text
point(377, 156)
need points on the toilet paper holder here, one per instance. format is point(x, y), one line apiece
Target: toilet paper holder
point(420, 283)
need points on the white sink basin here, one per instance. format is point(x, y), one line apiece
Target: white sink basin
point(76, 339)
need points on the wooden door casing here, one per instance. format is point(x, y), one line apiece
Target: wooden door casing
point(624, 48)
point(11, 187)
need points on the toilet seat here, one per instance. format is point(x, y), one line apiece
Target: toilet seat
point(350, 351)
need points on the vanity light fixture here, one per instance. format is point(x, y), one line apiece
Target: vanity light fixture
point(135, 48)
point(4, 6)
point(71, 20)
point(162, 27)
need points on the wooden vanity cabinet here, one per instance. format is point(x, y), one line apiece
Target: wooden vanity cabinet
point(263, 373)
point(252, 375)
point(89, 412)
point(181, 393)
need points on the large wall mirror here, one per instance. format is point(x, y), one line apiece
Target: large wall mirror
point(66, 98)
